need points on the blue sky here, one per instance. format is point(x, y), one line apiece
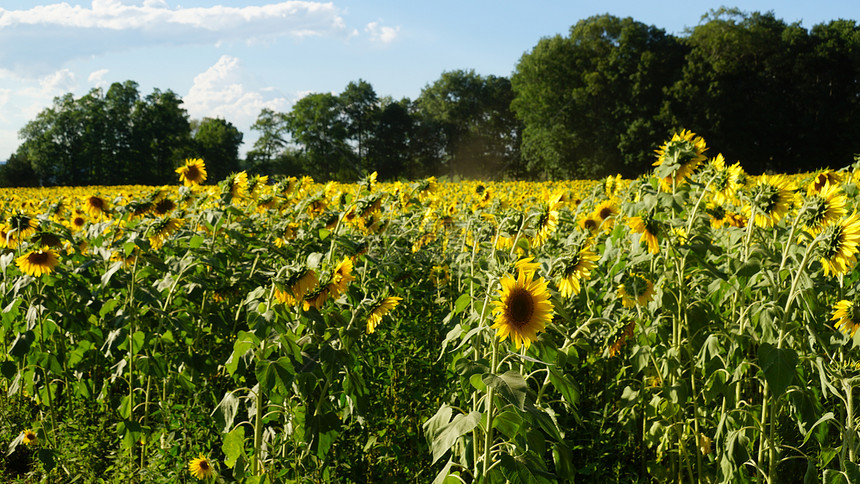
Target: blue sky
point(231, 58)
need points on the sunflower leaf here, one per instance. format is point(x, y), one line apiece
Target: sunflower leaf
point(233, 446)
point(778, 366)
point(510, 385)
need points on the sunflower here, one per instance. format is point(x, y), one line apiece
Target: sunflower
point(825, 206)
point(527, 265)
point(96, 206)
point(726, 181)
point(440, 275)
point(237, 184)
point(771, 199)
point(847, 319)
point(341, 277)
point(299, 286)
point(649, 230)
point(77, 221)
point(163, 206)
point(193, 173)
point(8, 237)
point(611, 184)
point(679, 158)
point(577, 269)
point(822, 179)
point(316, 298)
point(162, 229)
point(23, 225)
point(201, 468)
point(29, 437)
point(590, 224)
point(381, 310)
point(605, 213)
point(838, 245)
point(635, 289)
point(546, 224)
point(717, 215)
point(523, 308)
point(38, 262)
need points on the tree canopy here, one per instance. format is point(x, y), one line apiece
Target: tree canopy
point(598, 101)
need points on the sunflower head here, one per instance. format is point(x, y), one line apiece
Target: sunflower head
point(193, 173)
point(382, 308)
point(825, 206)
point(29, 437)
point(678, 158)
point(847, 317)
point(201, 467)
point(575, 269)
point(38, 262)
point(770, 199)
point(838, 245)
point(522, 308)
point(635, 289)
point(820, 180)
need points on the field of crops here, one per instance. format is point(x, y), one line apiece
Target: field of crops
point(694, 325)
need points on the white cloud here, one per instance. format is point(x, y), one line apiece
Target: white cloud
point(42, 38)
point(225, 90)
point(96, 78)
point(59, 82)
point(381, 33)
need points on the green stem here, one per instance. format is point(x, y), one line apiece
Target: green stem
point(491, 394)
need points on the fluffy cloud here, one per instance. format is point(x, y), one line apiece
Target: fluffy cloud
point(42, 38)
point(97, 78)
point(381, 33)
point(225, 90)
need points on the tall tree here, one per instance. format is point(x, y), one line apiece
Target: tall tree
point(217, 142)
point(481, 133)
point(590, 102)
point(317, 126)
point(390, 146)
point(360, 107)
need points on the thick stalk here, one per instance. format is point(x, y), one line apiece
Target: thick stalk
point(491, 394)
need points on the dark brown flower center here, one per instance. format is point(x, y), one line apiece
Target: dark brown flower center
point(37, 258)
point(204, 466)
point(97, 203)
point(521, 306)
point(605, 212)
point(192, 173)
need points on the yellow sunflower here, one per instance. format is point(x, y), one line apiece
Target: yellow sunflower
point(38, 262)
point(577, 269)
point(193, 173)
point(635, 289)
point(546, 225)
point(522, 309)
point(29, 437)
point(23, 226)
point(162, 229)
point(605, 213)
point(726, 180)
point(649, 230)
point(847, 319)
point(299, 286)
point(96, 206)
point(381, 310)
point(201, 468)
point(8, 237)
point(821, 179)
point(590, 224)
point(771, 199)
point(680, 156)
point(838, 245)
point(341, 277)
point(77, 221)
point(826, 205)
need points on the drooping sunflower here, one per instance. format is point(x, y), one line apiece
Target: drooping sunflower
point(838, 246)
point(316, 298)
point(162, 229)
point(522, 308)
point(8, 237)
point(681, 156)
point(38, 262)
point(726, 181)
point(96, 207)
point(635, 289)
point(821, 179)
point(590, 224)
point(771, 199)
point(201, 468)
point(575, 270)
point(383, 308)
point(717, 215)
point(826, 205)
point(29, 437)
point(649, 230)
point(546, 224)
point(341, 277)
point(163, 206)
point(193, 173)
point(299, 286)
point(237, 184)
point(846, 317)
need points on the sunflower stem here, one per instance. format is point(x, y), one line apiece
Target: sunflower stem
point(491, 394)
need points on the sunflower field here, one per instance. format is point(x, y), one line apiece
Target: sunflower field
point(694, 325)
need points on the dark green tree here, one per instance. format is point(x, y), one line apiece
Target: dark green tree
point(317, 126)
point(390, 146)
point(217, 142)
point(590, 102)
point(481, 134)
point(360, 108)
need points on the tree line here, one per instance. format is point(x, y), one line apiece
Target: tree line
point(598, 101)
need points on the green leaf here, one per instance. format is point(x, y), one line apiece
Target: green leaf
point(526, 469)
point(511, 386)
point(324, 234)
point(445, 434)
point(46, 457)
point(196, 241)
point(778, 365)
point(477, 382)
point(462, 302)
point(233, 446)
point(244, 342)
point(508, 422)
point(443, 474)
point(130, 432)
point(564, 386)
point(852, 470)
point(226, 410)
point(834, 477)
